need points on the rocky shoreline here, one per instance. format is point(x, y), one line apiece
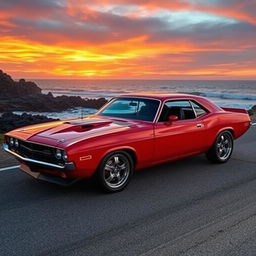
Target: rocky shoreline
point(10, 121)
point(27, 96)
point(252, 113)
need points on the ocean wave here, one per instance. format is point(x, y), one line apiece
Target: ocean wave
point(87, 94)
point(112, 92)
point(224, 95)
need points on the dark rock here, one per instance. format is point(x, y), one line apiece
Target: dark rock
point(27, 96)
point(10, 121)
point(49, 94)
point(252, 111)
point(11, 88)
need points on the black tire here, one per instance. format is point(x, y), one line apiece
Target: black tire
point(115, 171)
point(222, 149)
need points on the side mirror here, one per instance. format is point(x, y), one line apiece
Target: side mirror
point(172, 118)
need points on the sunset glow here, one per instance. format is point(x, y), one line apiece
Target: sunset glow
point(179, 39)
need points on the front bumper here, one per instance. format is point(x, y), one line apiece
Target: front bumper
point(69, 166)
point(48, 178)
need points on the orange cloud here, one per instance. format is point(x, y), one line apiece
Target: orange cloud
point(128, 39)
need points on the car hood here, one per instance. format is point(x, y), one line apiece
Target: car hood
point(65, 133)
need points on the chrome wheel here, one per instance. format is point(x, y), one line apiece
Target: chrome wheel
point(221, 150)
point(116, 170)
point(224, 146)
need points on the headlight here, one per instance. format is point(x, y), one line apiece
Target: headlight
point(11, 141)
point(64, 156)
point(58, 154)
point(61, 154)
point(16, 143)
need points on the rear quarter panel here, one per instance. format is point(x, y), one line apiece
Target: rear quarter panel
point(237, 123)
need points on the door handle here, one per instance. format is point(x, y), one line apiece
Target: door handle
point(199, 125)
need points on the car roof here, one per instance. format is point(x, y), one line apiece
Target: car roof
point(161, 95)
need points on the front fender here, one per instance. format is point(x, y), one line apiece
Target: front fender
point(87, 162)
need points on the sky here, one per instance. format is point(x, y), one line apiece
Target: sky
point(128, 39)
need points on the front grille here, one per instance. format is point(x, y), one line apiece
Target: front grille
point(37, 152)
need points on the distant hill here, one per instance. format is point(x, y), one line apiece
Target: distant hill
point(24, 95)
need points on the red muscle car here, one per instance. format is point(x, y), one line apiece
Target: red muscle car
point(130, 132)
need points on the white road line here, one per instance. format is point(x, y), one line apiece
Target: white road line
point(254, 124)
point(9, 168)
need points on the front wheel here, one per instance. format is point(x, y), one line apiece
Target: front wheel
point(115, 171)
point(222, 148)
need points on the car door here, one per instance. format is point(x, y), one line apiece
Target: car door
point(182, 137)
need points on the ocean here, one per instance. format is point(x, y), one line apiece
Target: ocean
point(225, 93)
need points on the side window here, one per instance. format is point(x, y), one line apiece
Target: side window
point(180, 108)
point(198, 109)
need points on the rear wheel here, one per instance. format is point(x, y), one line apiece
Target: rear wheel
point(222, 148)
point(115, 171)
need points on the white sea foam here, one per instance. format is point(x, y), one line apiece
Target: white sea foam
point(226, 95)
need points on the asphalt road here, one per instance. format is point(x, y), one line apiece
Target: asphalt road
point(188, 207)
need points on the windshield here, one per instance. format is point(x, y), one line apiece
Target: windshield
point(132, 108)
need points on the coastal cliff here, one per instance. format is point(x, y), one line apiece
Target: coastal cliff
point(24, 95)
